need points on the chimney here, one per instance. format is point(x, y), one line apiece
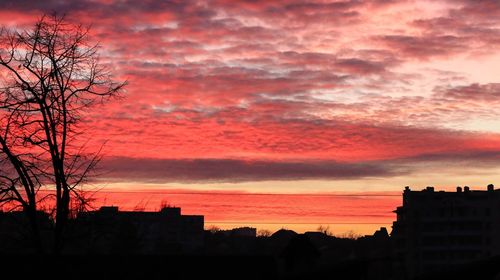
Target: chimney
point(491, 187)
point(430, 189)
point(459, 189)
point(466, 189)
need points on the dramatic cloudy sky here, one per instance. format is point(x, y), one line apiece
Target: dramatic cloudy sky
point(294, 96)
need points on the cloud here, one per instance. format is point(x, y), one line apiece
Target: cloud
point(288, 85)
point(477, 158)
point(475, 23)
point(230, 170)
point(425, 47)
point(154, 170)
point(473, 92)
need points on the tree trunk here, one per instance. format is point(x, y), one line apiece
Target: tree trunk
point(36, 236)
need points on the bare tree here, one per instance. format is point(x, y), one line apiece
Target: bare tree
point(50, 75)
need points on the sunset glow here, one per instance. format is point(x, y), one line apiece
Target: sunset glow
point(290, 113)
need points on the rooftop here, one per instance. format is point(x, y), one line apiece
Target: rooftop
point(466, 189)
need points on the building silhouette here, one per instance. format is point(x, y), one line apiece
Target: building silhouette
point(166, 231)
point(438, 230)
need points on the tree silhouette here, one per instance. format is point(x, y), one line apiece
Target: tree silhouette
point(50, 75)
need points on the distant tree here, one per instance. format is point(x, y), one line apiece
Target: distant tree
point(325, 230)
point(49, 75)
point(349, 235)
point(264, 233)
point(214, 229)
point(165, 204)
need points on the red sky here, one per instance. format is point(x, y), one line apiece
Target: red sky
point(292, 96)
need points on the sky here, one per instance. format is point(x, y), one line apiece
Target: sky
point(235, 103)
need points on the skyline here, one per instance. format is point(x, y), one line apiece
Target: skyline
point(293, 96)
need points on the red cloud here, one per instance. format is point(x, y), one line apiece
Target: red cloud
point(280, 83)
point(240, 133)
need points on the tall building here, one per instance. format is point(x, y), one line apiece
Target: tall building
point(436, 230)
